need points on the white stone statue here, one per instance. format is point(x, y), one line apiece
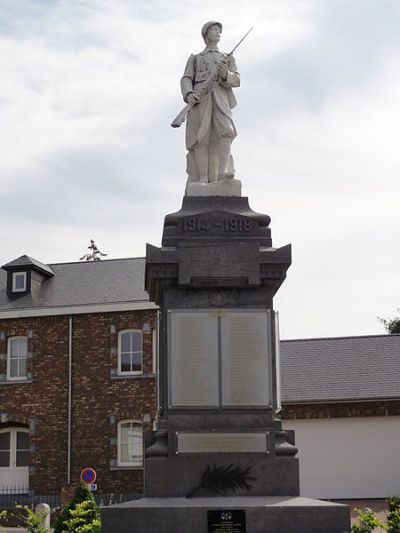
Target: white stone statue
point(207, 89)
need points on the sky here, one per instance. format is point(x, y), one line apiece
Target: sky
point(88, 89)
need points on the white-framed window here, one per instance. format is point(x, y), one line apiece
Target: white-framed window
point(18, 282)
point(130, 443)
point(17, 353)
point(130, 343)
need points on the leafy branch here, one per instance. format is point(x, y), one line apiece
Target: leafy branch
point(221, 479)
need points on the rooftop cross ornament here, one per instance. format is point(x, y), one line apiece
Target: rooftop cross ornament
point(206, 86)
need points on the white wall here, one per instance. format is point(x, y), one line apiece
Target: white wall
point(348, 457)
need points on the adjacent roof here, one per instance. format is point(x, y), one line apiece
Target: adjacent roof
point(84, 283)
point(340, 369)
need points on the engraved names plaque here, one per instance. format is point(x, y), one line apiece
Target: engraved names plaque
point(193, 359)
point(221, 442)
point(245, 356)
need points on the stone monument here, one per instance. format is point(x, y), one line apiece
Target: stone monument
point(219, 459)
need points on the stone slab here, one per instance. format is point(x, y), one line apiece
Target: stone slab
point(193, 359)
point(221, 442)
point(177, 475)
point(263, 515)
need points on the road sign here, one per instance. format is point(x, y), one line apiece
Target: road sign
point(88, 475)
point(93, 487)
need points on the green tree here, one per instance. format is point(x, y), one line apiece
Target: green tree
point(90, 511)
point(392, 325)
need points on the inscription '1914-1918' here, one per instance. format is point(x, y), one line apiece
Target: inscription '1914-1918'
point(230, 224)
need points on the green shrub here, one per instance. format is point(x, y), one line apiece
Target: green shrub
point(367, 522)
point(393, 518)
point(84, 518)
point(32, 520)
point(3, 514)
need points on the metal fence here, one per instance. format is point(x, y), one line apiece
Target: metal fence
point(12, 496)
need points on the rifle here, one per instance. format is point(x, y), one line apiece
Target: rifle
point(181, 117)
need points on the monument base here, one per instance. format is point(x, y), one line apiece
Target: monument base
point(258, 515)
point(226, 187)
point(178, 475)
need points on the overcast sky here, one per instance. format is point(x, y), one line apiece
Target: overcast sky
point(88, 89)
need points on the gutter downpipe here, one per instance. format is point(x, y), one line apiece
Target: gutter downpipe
point(69, 401)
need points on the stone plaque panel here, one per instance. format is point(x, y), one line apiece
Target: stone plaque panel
point(221, 442)
point(227, 521)
point(193, 359)
point(245, 348)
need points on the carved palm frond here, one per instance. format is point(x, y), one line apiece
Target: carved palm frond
point(224, 478)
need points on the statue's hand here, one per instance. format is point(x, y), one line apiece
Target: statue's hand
point(223, 68)
point(193, 99)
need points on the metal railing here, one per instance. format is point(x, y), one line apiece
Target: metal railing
point(10, 496)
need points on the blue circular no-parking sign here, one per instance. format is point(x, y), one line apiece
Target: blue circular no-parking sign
point(88, 475)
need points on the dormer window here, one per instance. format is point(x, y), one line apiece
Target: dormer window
point(25, 274)
point(19, 282)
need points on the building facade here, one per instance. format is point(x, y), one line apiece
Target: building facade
point(77, 375)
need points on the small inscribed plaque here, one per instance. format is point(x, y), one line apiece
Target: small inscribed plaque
point(221, 442)
point(227, 521)
point(193, 359)
point(245, 354)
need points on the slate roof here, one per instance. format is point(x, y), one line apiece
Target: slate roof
point(83, 283)
point(340, 368)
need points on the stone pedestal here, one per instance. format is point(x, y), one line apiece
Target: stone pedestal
point(262, 515)
point(214, 279)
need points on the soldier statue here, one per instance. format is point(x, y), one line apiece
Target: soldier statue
point(207, 89)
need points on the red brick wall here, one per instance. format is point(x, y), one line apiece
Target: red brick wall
point(341, 410)
point(99, 399)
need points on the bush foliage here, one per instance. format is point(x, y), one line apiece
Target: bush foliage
point(82, 515)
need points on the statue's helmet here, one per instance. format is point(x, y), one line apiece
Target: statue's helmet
point(207, 26)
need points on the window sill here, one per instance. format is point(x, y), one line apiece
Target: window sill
point(15, 381)
point(133, 376)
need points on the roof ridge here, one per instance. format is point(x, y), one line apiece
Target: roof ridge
point(343, 337)
point(91, 262)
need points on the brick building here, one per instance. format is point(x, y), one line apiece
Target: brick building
point(77, 374)
point(78, 358)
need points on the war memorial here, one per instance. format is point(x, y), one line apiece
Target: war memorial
point(219, 460)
